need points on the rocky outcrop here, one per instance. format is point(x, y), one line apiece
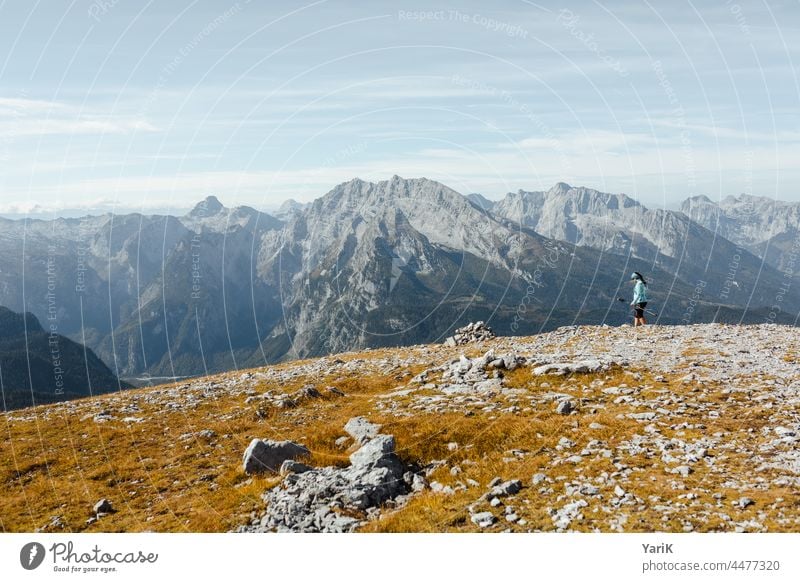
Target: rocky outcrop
point(481, 374)
point(471, 333)
point(333, 499)
point(582, 367)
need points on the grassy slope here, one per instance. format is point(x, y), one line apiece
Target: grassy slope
point(162, 476)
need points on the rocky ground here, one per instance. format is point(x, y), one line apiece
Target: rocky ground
point(690, 428)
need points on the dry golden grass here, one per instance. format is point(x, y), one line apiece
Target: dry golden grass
point(159, 482)
point(539, 432)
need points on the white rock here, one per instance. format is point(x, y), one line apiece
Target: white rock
point(483, 519)
point(538, 478)
point(361, 429)
point(564, 407)
point(266, 455)
point(376, 451)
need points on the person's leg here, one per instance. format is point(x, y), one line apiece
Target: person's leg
point(638, 316)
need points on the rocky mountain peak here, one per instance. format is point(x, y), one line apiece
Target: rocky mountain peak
point(765, 226)
point(559, 188)
point(699, 199)
point(589, 199)
point(290, 205)
point(210, 206)
point(358, 196)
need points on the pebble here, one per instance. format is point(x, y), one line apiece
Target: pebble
point(483, 519)
point(103, 507)
point(538, 478)
point(564, 407)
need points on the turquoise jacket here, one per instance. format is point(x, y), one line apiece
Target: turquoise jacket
point(639, 292)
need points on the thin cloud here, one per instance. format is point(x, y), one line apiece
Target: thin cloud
point(20, 117)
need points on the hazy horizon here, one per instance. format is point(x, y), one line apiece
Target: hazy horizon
point(44, 213)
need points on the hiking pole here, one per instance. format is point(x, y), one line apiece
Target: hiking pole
point(653, 313)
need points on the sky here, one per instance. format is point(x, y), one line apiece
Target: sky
point(151, 106)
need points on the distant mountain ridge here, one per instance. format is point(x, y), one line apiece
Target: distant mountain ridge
point(619, 224)
point(288, 208)
point(766, 227)
point(389, 262)
point(399, 261)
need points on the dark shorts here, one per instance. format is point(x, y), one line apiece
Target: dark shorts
point(639, 309)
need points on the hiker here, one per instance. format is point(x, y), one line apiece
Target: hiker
point(639, 299)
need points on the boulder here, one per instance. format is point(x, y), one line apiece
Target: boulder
point(308, 391)
point(265, 455)
point(564, 407)
point(510, 362)
point(103, 506)
point(376, 452)
point(361, 429)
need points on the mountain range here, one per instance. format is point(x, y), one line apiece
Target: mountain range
point(768, 228)
point(687, 249)
point(396, 262)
